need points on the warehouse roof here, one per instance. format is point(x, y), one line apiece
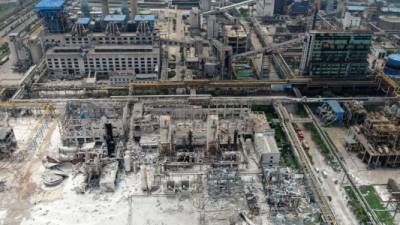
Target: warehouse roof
point(355, 8)
point(265, 143)
point(50, 4)
point(391, 9)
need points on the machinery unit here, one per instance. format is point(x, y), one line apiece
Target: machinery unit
point(53, 15)
point(331, 112)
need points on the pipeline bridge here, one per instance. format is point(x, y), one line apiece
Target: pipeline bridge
point(204, 100)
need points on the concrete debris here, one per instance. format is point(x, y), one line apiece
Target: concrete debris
point(52, 178)
point(50, 163)
point(2, 185)
point(79, 183)
point(108, 176)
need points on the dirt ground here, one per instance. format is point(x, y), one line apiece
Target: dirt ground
point(362, 175)
point(339, 203)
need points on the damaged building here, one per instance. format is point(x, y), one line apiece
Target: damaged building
point(213, 141)
point(376, 139)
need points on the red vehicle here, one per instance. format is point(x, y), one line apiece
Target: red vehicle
point(300, 134)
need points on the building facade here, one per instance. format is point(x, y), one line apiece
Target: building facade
point(75, 57)
point(265, 7)
point(336, 54)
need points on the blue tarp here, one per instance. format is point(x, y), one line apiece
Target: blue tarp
point(50, 4)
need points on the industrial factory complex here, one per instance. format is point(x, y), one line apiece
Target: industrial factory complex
point(200, 112)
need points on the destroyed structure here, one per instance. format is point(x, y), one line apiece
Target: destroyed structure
point(8, 143)
point(375, 135)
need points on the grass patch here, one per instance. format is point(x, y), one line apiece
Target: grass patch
point(356, 206)
point(287, 156)
point(268, 111)
point(299, 110)
point(317, 139)
point(374, 202)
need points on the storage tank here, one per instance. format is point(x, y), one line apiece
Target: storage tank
point(392, 67)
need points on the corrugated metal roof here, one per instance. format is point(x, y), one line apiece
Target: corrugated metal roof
point(144, 17)
point(335, 106)
point(391, 9)
point(265, 143)
point(84, 20)
point(50, 4)
point(355, 8)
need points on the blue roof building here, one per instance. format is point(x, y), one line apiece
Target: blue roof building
point(355, 8)
point(391, 10)
point(337, 109)
point(53, 15)
point(147, 20)
point(84, 21)
point(115, 18)
point(50, 4)
point(140, 18)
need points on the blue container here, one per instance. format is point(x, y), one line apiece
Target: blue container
point(393, 61)
point(391, 72)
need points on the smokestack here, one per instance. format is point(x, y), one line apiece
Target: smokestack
point(104, 7)
point(133, 8)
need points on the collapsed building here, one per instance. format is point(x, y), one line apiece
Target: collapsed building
point(159, 140)
point(376, 139)
point(8, 142)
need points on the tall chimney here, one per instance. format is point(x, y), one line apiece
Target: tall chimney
point(133, 8)
point(104, 8)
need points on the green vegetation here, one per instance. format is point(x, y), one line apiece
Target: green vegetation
point(317, 139)
point(374, 202)
point(244, 12)
point(6, 7)
point(356, 206)
point(310, 157)
point(171, 74)
point(300, 110)
point(183, 74)
point(287, 156)
point(4, 50)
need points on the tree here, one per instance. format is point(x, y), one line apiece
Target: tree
point(183, 74)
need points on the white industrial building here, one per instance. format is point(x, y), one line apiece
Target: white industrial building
point(75, 57)
point(351, 20)
point(266, 148)
point(265, 7)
